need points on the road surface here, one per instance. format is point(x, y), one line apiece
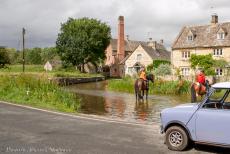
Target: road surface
point(27, 130)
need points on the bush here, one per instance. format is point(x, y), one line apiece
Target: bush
point(163, 69)
point(4, 58)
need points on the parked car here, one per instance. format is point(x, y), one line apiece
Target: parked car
point(206, 122)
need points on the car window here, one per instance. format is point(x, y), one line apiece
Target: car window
point(217, 95)
point(226, 104)
point(214, 100)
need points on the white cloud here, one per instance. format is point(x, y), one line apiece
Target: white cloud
point(159, 19)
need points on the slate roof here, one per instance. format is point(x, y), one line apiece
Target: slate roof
point(131, 45)
point(204, 36)
point(158, 53)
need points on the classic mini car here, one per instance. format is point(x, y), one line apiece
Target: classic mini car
point(207, 122)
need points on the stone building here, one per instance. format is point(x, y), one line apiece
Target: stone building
point(120, 49)
point(213, 38)
point(143, 56)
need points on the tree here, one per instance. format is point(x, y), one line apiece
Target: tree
point(163, 69)
point(49, 54)
point(157, 63)
point(33, 56)
point(83, 40)
point(4, 58)
point(207, 63)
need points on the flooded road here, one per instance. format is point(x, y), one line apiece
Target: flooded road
point(97, 100)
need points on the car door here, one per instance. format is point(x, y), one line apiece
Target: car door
point(213, 123)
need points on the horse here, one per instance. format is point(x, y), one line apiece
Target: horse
point(198, 89)
point(140, 87)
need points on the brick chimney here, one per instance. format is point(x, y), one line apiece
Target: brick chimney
point(121, 39)
point(214, 19)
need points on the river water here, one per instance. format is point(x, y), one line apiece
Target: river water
point(97, 100)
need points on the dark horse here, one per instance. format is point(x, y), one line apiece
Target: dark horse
point(199, 89)
point(140, 87)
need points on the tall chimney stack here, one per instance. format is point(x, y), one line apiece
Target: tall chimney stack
point(214, 19)
point(121, 39)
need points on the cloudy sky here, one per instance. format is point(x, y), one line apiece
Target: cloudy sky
point(159, 19)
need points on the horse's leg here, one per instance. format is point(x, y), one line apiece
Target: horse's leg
point(193, 94)
point(147, 92)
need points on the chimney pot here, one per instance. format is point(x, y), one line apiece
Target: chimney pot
point(214, 19)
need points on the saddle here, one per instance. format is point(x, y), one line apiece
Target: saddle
point(200, 88)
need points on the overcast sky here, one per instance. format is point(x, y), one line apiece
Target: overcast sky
point(159, 19)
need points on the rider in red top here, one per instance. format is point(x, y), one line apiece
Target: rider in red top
point(201, 77)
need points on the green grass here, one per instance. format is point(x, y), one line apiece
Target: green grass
point(37, 91)
point(159, 86)
point(39, 70)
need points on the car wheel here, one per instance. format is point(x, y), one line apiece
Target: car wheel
point(176, 138)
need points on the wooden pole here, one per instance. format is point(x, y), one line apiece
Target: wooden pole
point(23, 49)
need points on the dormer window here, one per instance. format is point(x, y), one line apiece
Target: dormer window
point(220, 36)
point(191, 35)
point(190, 38)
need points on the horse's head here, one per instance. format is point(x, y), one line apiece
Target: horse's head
point(150, 77)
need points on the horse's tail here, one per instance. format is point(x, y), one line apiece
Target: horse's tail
point(193, 94)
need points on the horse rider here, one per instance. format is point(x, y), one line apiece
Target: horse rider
point(200, 79)
point(143, 77)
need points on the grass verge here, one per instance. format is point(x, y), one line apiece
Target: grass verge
point(37, 91)
point(39, 70)
point(159, 86)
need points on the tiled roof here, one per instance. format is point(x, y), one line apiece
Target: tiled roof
point(158, 53)
point(204, 36)
point(131, 45)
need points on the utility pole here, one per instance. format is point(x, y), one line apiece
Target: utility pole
point(23, 49)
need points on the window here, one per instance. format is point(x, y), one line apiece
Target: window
point(217, 52)
point(220, 36)
point(185, 54)
point(130, 69)
point(190, 38)
point(139, 56)
point(185, 71)
point(219, 72)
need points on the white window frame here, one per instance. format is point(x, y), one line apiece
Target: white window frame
point(185, 71)
point(220, 36)
point(130, 70)
point(139, 57)
point(219, 72)
point(186, 55)
point(190, 38)
point(218, 52)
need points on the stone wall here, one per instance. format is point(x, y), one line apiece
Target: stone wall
point(72, 80)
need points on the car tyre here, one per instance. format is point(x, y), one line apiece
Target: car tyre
point(176, 138)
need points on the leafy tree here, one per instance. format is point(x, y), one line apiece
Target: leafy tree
point(33, 56)
point(205, 62)
point(163, 69)
point(4, 58)
point(82, 40)
point(157, 63)
point(48, 54)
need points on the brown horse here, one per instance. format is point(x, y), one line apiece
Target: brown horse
point(198, 89)
point(141, 86)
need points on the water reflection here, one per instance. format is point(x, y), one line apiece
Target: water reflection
point(97, 100)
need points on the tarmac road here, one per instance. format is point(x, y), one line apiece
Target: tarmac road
point(28, 130)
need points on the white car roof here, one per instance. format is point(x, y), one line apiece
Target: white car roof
point(221, 85)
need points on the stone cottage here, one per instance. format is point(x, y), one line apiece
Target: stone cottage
point(213, 38)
